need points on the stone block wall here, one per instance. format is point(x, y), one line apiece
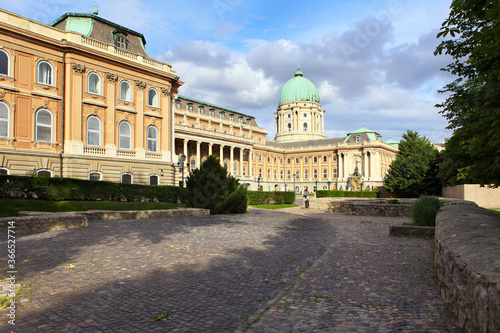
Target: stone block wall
point(361, 207)
point(468, 265)
point(486, 197)
point(43, 222)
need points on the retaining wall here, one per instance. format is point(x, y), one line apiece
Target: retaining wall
point(486, 197)
point(468, 265)
point(43, 223)
point(361, 207)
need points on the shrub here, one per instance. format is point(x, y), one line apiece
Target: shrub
point(211, 187)
point(424, 211)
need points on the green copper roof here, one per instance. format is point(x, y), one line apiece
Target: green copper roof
point(392, 142)
point(372, 135)
point(82, 25)
point(362, 130)
point(299, 89)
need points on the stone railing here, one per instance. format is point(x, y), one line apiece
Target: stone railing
point(468, 265)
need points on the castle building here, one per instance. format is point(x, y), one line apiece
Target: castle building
point(81, 98)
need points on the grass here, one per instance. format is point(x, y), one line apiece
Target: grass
point(496, 210)
point(10, 207)
point(274, 206)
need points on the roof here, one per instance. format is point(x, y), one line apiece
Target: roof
point(213, 105)
point(372, 135)
point(305, 144)
point(392, 142)
point(85, 26)
point(299, 88)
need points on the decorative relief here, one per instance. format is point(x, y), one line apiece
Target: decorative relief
point(112, 77)
point(140, 84)
point(2, 94)
point(165, 91)
point(78, 69)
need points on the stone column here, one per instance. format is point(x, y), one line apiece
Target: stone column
point(231, 160)
point(198, 154)
point(210, 148)
point(222, 155)
point(240, 171)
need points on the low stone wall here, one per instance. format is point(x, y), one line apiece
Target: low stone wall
point(468, 265)
point(486, 197)
point(43, 222)
point(362, 207)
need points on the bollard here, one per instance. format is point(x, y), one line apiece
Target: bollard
point(307, 203)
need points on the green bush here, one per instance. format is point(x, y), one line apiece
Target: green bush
point(348, 194)
point(424, 211)
point(261, 197)
point(57, 189)
point(211, 187)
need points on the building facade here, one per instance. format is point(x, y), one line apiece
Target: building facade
point(81, 98)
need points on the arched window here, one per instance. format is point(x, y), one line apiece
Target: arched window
point(260, 173)
point(44, 173)
point(154, 180)
point(125, 91)
point(315, 159)
point(125, 136)
point(281, 174)
point(93, 131)
point(260, 158)
point(4, 171)
point(95, 175)
point(4, 63)
point(289, 127)
point(297, 174)
point(268, 173)
point(297, 161)
point(152, 143)
point(288, 174)
point(45, 73)
point(275, 174)
point(4, 120)
point(127, 178)
point(306, 160)
point(334, 174)
point(44, 125)
point(325, 159)
point(315, 174)
point(325, 173)
point(94, 83)
point(305, 127)
point(288, 161)
point(334, 158)
point(152, 97)
point(306, 174)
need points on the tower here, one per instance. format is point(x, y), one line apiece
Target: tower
point(299, 116)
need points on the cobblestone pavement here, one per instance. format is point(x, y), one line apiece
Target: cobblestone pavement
point(265, 271)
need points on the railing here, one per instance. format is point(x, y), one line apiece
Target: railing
point(153, 156)
point(125, 53)
point(125, 153)
point(94, 43)
point(152, 62)
point(94, 150)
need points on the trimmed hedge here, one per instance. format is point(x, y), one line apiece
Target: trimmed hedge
point(261, 197)
point(56, 189)
point(347, 194)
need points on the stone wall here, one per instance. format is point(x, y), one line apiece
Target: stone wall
point(486, 197)
point(362, 207)
point(468, 265)
point(43, 222)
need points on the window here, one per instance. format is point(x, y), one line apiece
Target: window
point(268, 173)
point(281, 174)
point(45, 73)
point(152, 97)
point(315, 174)
point(152, 143)
point(288, 174)
point(121, 41)
point(275, 174)
point(94, 175)
point(204, 127)
point(189, 106)
point(154, 180)
point(4, 63)
point(289, 116)
point(193, 164)
point(44, 125)
point(334, 158)
point(4, 171)
point(4, 120)
point(269, 159)
point(201, 109)
point(275, 160)
point(244, 171)
point(358, 138)
point(260, 172)
point(297, 160)
point(212, 112)
point(305, 114)
point(334, 174)
point(222, 115)
point(125, 91)
point(325, 159)
point(325, 173)
point(44, 173)
point(125, 136)
point(93, 131)
point(315, 159)
point(178, 104)
point(94, 83)
point(289, 127)
point(260, 158)
point(127, 178)
point(306, 160)
point(306, 174)
point(305, 127)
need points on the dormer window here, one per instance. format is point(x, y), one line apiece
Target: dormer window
point(120, 40)
point(222, 115)
point(212, 112)
point(189, 106)
point(358, 138)
point(201, 109)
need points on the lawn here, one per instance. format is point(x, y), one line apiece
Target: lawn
point(10, 207)
point(273, 206)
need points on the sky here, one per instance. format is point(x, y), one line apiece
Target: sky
point(371, 60)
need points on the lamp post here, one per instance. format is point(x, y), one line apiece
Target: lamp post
point(316, 187)
point(180, 164)
point(294, 188)
point(329, 185)
point(258, 183)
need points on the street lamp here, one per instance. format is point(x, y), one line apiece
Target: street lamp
point(258, 183)
point(329, 185)
point(316, 187)
point(180, 164)
point(294, 188)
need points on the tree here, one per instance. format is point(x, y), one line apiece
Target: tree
point(211, 187)
point(472, 154)
point(414, 171)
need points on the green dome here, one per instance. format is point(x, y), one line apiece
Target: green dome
point(299, 89)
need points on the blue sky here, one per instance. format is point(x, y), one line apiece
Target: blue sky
point(372, 61)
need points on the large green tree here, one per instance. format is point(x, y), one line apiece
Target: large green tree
point(472, 108)
point(414, 171)
point(211, 187)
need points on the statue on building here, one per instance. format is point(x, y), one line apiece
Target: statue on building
point(354, 182)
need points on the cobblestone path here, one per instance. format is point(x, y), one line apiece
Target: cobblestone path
point(265, 271)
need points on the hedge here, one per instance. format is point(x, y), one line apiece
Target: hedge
point(56, 189)
point(349, 194)
point(261, 197)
